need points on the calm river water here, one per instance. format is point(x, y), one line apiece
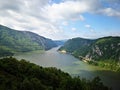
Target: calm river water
point(72, 65)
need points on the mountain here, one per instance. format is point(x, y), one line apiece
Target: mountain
point(102, 48)
point(23, 75)
point(76, 44)
point(105, 48)
point(12, 41)
point(103, 52)
point(60, 42)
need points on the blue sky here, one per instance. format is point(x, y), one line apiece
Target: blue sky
point(63, 19)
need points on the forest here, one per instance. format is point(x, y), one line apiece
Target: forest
point(23, 75)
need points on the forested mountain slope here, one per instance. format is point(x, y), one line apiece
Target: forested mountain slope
point(105, 48)
point(103, 52)
point(74, 44)
point(102, 48)
point(12, 41)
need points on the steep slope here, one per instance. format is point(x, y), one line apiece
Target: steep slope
point(12, 41)
point(102, 48)
point(41, 41)
point(105, 48)
point(76, 45)
point(103, 52)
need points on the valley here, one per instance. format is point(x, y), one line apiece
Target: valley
point(103, 52)
point(72, 65)
point(59, 44)
point(101, 55)
point(13, 41)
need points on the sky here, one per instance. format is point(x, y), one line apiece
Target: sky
point(63, 19)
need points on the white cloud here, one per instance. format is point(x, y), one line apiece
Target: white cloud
point(45, 17)
point(65, 23)
point(87, 26)
point(109, 12)
point(68, 10)
point(74, 29)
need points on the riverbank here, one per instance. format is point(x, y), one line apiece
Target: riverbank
point(75, 67)
point(107, 64)
point(23, 75)
point(63, 51)
point(110, 64)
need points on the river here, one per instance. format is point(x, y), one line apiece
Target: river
point(72, 65)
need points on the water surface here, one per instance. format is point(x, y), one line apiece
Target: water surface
point(72, 65)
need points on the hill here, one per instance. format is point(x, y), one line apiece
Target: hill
point(76, 45)
point(102, 48)
point(23, 75)
point(60, 42)
point(104, 52)
point(12, 41)
point(105, 48)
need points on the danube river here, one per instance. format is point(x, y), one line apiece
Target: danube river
point(72, 65)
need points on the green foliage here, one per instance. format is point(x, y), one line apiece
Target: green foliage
point(110, 64)
point(23, 75)
point(109, 47)
point(4, 51)
point(76, 45)
point(12, 41)
point(104, 52)
point(102, 48)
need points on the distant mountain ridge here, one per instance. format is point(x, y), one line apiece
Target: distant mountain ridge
point(60, 42)
point(99, 49)
point(12, 41)
point(75, 43)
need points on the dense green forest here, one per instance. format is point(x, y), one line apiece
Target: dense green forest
point(75, 44)
point(12, 41)
point(105, 49)
point(23, 75)
point(104, 52)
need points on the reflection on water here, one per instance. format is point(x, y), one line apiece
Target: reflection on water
point(73, 66)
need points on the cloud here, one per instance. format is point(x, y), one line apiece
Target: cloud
point(109, 12)
point(65, 23)
point(87, 26)
point(68, 10)
point(6, 4)
point(45, 17)
point(74, 29)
